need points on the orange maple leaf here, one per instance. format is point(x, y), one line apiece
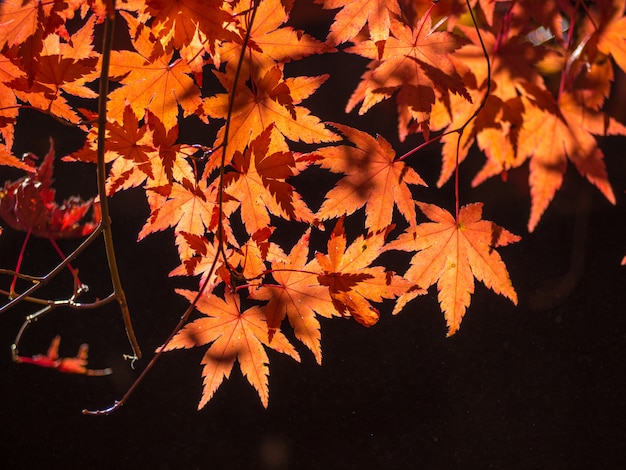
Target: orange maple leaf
point(18, 21)
point(351, 281)
point(255, 110)
point(611, 36)
point(372, 179)
point(9, 108)
point(131, 142)
point(497, 124)
point(193, 27)
point(140, 154)
point(414, 63)
point(203, 261)
point(452, 253)
point(297, 294)
point(171, 162)
point(154, 84)
point(495, 129)
point(270, 43)
point(512, 60)
point(258, 183)
point(188, 208)
point(7, 158)
point(552, 133)
point(356, 13)
point(233, 335)
point(59, 67)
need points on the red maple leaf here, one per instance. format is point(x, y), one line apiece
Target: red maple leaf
point(29, 205)
point(68, 365)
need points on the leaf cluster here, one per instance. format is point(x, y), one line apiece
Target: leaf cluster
point(524, 83)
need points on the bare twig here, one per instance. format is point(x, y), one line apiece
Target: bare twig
point(118, 290)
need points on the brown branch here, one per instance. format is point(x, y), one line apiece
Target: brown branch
point(109, 28)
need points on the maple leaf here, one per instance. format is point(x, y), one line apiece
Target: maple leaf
point(499, 117)
point(171, 162)
point(414, 62)
point(258, 183)
point(7, 158)
point(351, 281)
point(269, 43)
point(8, 102)
point(28, 205)
point(68, 365)
point(452, 253)
point(18, 21)
point(372, 179)
point(254, 111)
point(608, 36)
point(204, 261)
point(356, 13)
point(190, 26)
point(140, 154)
point(132, 143)
point(246, 265)
point(188, 208)
point(512, 62)
point(495, 129)
point(60, 67)
point(233, 335)
point(554, 132)
point(297, 295)
point(157, 85)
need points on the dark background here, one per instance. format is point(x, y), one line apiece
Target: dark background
point(516, 387)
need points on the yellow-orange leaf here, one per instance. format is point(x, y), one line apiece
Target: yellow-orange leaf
point(372, 179)
point(356, 13)
point(18, 21)
point(297, 294)
point(452, 253)
point(7, 158)
point(351, 280)
point(555, 132)
point(188, 208)
point(233, 335)
point(270, 42)
point(157, 85)
point(414, 59)
point(255, 110)
point(258, 183)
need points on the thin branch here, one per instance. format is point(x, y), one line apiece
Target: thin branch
point(220, 251)
point(32, 318)
point(461, 129)
point(109, 28)
point(39, 282)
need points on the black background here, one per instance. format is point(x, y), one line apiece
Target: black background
point(514, 388)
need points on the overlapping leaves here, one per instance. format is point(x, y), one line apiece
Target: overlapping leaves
point(228, 202)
